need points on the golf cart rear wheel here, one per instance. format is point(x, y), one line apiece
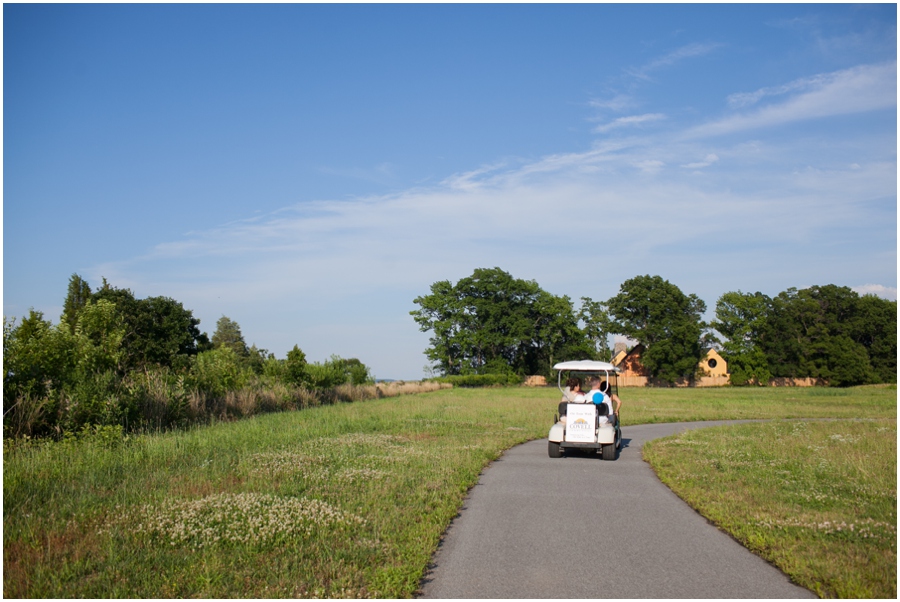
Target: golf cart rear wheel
point(554, 450)
point(609, 451)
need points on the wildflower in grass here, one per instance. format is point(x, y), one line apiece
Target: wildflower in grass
point(295, 464)
point(245, 519)
point(355, 475)
point(861, 529)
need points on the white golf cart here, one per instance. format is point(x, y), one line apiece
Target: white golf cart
point(583, 427)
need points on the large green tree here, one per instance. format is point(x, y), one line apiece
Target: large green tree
point(158, 330)
point(741, 319)
point(492, 322)
point(876, 330)
point(829, 332)
point(655, 312)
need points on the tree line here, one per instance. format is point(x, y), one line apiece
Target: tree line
point(493, 323)
point(114, 359)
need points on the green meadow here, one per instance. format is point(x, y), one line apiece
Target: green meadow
point(816, 498)
point(350, 500)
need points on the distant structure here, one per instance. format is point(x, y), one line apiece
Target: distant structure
point(620, 350)
point(713, 365)
point(536, 381)
point(712, 370)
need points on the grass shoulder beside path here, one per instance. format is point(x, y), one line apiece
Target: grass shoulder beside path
point(348, 500)
point(816, 498)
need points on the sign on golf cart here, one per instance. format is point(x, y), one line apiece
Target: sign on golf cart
point(581, 422)
point(580, 426)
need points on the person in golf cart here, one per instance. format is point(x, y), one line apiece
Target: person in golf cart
point(572, 394)
point(614, 399)
point(597, 395)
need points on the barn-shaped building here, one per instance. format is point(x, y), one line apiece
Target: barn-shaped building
point(712, 372)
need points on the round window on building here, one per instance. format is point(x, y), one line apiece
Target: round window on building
point(712, 363)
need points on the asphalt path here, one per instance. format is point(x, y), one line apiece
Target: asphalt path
point(579, 527)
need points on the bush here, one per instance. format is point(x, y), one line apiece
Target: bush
point(324, 376)
point(92, 400)
point(480, 380)
point(218, 371)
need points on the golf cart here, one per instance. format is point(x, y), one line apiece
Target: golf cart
point(584, 427)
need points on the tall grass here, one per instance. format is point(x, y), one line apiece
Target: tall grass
point(341, 500)
point(363, 492)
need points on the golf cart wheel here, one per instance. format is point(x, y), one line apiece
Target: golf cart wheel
point(554, 450)
point(609, 451)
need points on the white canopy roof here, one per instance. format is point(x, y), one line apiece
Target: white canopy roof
point(586, 366)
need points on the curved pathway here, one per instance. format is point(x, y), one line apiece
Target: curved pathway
point(579, 527)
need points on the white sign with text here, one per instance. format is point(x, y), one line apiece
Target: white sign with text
point(580, 421)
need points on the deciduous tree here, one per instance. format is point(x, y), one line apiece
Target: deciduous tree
point(656, 313)
point(821, 332)
point(490, 322)
point(158, 330)
point(597, 327)
point(741, 319)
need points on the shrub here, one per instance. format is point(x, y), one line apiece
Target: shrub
point(324, 376)
point(218, 371)
point(480, 380)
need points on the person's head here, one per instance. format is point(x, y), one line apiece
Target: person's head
point(604, 386)
point(573, 383)
point(595, 382)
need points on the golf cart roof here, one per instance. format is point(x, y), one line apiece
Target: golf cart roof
point(586, 366)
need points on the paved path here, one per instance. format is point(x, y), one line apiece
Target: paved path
point(579, 527)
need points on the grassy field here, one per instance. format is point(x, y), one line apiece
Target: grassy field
point(348, 500)
point(818, 499)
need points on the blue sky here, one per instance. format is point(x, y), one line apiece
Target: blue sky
point(309, 170)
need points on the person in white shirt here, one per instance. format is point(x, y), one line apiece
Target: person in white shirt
point(572, 394)
point(597, 395)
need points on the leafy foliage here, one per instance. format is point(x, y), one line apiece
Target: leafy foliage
point(218, 371)
point(597, 327)
point(228, 334)
point(480, 380)
point(826, 332)
point(77, 297)
point(667, 322)
point(114, 360)
point(158, 330)
point(491, 322)
point(740, 317)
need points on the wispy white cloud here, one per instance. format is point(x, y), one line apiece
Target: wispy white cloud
point(860, 89)
point(667, 60)
point(650, 165)
point(709, 160)
point(740, 100)
point(617, 103)
point(520, 213)
point(625, 206)
point(630, 121)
